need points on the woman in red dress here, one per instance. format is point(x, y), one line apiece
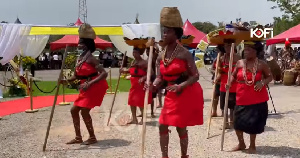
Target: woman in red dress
point(93, 87)
point(138, 73)
point(252, 75)
point(223, 77)
point(183, 104)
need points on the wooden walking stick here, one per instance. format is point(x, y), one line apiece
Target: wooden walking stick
point(115, 94)
point(227, 95)
point(214, 93)
point(55, 98)
point(149, 69)
point(110, 87)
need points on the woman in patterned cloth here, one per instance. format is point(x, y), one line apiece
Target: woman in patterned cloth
point(252, 75)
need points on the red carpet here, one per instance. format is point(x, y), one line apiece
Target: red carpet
point(20, 105)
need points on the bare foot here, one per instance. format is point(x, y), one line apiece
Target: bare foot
point(239, 147)
point(159, 106)
point(214, 115)
point(251, 150)
point(132, 122)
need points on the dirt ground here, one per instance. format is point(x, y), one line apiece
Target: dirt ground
point(22, 135)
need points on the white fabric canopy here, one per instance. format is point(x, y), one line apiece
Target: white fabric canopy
point(120, 44)
point(135, 31)
point(142, 30)
point(34, 45)
point(11, 39)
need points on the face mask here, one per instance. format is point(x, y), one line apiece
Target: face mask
point(80, 51)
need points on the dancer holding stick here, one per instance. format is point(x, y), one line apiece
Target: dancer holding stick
point(223, 77)
point(118, 82)
point(251, 112)
point(93, 84)
point(184, 101)
point(92, 77)
point(227, 95)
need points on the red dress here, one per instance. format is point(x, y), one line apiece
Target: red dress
point(184, 109)
point(224, 78)
point(137, 92)
point(94, 95)
point(246, 95)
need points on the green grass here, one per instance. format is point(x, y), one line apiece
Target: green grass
point(47, 86)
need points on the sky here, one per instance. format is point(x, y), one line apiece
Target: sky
point(116, 12)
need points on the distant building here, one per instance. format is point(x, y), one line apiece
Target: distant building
point(18, 21)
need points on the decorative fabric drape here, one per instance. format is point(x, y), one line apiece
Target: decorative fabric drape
point(132, 31)
point(34, 45)
point(11, 39)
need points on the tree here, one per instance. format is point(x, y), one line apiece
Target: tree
point(291, 16)
point(290, 8)
point(205, 27)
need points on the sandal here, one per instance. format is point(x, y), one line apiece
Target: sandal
point(75, 141)
point(90, 141)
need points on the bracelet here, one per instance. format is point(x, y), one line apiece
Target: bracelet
point(262, 82)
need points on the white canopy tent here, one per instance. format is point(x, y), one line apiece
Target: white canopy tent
point(132, 31)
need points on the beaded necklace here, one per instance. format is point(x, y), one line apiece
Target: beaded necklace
point(254, 72)
point(173, 56)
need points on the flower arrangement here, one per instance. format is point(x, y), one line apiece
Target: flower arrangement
point(70, 64)
point(71, 61)
point(17, 89)
point(27, 61)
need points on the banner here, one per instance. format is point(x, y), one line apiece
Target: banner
point(202, 45)
point(59, 30)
